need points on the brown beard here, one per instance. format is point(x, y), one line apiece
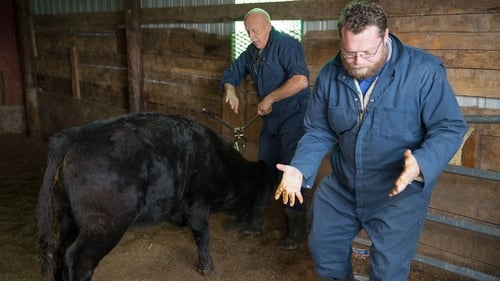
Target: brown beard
point(372, 70)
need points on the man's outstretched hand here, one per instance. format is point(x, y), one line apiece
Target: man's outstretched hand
point(410, 172)
point(290, 184)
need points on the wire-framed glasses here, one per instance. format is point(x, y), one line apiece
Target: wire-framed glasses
point(363, 55)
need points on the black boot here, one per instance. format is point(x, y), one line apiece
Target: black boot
point(236, 224)
point(296, 229)
point(256, 224)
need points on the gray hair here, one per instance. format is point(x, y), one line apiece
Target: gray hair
point(258, 11)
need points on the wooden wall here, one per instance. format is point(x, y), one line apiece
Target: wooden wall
point(80, 62)
point(11, 97)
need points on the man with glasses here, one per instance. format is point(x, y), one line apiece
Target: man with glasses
point(276, 63)
point(389, 119)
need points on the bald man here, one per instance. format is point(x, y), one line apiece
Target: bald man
point(276, 63)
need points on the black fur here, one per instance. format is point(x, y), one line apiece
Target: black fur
point(137, 169)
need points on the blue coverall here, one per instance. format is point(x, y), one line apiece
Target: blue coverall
point(282, 58)
point(411, 107)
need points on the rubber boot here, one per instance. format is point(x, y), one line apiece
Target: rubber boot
point(256, 224)
point(296, 229)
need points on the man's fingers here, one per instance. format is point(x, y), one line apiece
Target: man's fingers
point(277, 194)
point(285, 197)
point(398, 187)
point(393, 191)
point(292, 199)
point(301, 199)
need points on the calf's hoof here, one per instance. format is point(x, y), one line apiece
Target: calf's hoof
point(206, 270)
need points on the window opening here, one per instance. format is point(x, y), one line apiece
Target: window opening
point(240, 40)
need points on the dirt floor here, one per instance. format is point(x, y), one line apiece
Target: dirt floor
point(161, 252)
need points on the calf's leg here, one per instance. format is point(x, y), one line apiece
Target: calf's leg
point(83, 256)
point(200, 229)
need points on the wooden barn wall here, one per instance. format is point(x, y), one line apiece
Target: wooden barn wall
point(81, 68)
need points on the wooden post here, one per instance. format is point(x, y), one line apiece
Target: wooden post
point(133, 33)
point(27, 46)
point(75, 72)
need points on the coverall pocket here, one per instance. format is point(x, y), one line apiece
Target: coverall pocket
point(390, 123)
point(341, 120)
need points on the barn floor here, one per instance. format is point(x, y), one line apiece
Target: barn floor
point(161, 252)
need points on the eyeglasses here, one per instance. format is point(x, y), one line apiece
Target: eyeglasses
point(363, 55)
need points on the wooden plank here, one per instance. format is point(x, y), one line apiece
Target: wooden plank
point(460, 247)
point(207, 69)
point(56, 67)
point(475, 82)
point(470, 148)
point(480, 111)
point(88, 42)
point(210, 84)
point(78, 28)
point(471, 59)
point(104, 76)
point(310, 10)
point(490, 149)
point(473, 198)
point(110, 95)
point(76, 113)
point(447, 23)
point(304, 10)
point(318, 52)
point(181, 99)
point(54, 85)
point(104, 58)
point(485, 41)
point(184, 94)
point(433, 7)
point(186, 42)
point(104, 18)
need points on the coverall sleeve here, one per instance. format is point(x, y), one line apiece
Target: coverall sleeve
point(318, 138)
point(292, 58)
point(443, 120)
point(237, 70)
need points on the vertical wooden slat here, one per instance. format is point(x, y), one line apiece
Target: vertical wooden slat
point(75, 72)
point(26, 38)
point(34, 47)
point(133, 33)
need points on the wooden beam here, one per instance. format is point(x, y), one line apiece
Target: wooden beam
point(292, 10)
point(433, 7)
point(27, 47)
point(304, 10)
point(133, 32)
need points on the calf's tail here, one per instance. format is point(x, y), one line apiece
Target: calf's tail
point(50, 259)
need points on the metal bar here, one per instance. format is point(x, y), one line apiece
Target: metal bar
point(471, 172)
point(211, 114)
point(482, 118)
point(250, 121)
point(464, 224)
point(460, 270)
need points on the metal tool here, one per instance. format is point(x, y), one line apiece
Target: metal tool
point(239, 139)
